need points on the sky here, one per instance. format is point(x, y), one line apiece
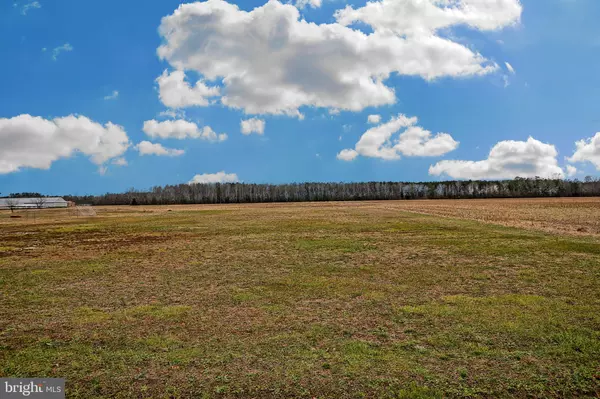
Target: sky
point(106, 96)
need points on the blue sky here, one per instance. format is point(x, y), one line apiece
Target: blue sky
point(553, 96)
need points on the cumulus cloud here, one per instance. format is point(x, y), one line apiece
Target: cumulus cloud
point(33, 142)
point(60, 49)
point(148, 148)
point(588, 150)
point(423, 17)
point(506, 160)
point(571, 170)
point(211, 178)
point(175, 92)
point(412, 141)
point(180, 129)
point(253, 125)
point(270, 61)
point(113, 96)
point(418, 142)
point(313, 3)
point(347, 155)
point(374, 119)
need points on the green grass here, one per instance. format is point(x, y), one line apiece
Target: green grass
point(299, 302)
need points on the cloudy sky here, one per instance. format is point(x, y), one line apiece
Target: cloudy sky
point(104, 96)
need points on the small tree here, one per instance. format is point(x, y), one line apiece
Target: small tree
point(40, 202)
point(12, 204)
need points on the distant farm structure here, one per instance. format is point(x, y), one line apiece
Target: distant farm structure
point(33, 203)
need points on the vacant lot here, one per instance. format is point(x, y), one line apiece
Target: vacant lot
point(333, 300)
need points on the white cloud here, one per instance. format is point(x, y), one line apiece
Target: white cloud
point(506, 160)
point(172, 113)
point(119, 162)
point(270, 61)
point(571, 170)
point(175, 92)
point(418, 142)
point(510, 68)
point(347, 155)
point(424, 17)
point(57, 50)
point(180, 129)
point(29, 6)
point(412, 141)
point(148, 148)
point(113, 96)
point(505, 77)
point(253, 125)
point(34, 142)
point(374, 119)
point(210, 178)
point(313, 3)
point(588, 150)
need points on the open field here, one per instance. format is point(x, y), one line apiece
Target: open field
point(579, 216)
point(497, 298)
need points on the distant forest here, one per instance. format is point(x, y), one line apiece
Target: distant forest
point(24, 195)
point(227, 193)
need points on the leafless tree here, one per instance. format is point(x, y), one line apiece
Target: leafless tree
point(12, 204)
point(299, 192)
point(40, 202)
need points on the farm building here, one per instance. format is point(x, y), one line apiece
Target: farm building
point(32, 203)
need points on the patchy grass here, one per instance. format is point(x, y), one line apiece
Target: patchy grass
point(158, 312)
point(7, 249)
point(331, 300)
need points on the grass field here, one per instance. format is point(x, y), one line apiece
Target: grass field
point(420, 299)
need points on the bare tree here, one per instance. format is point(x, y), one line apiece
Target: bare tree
point(40, 202)
point(12, 204)
point(241, 192)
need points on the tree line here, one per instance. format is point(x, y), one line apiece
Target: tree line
point(24, 195)
point(227, 193)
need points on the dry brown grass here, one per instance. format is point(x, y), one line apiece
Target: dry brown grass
point(578, 216)
point(328, 300)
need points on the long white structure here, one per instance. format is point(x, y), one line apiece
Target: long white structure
point(32, 203)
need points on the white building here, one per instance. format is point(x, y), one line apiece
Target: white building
point(32, 203)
